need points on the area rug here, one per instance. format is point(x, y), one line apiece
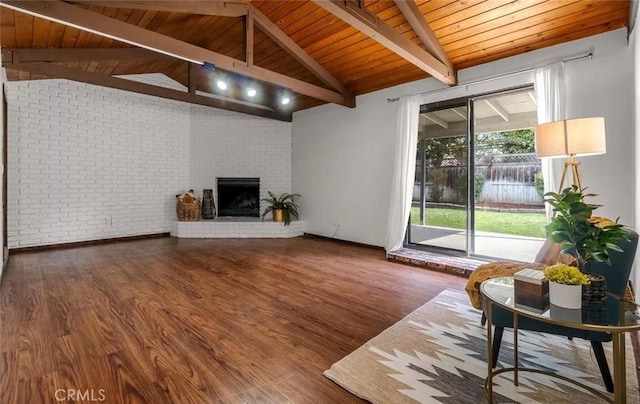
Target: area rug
point(437, 354)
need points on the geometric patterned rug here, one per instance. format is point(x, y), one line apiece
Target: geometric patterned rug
point(437, 354)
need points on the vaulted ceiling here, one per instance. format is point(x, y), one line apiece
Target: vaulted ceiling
point(315, 51)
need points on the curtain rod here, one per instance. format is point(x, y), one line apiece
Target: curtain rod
point(587, 55)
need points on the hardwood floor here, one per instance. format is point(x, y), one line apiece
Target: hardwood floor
point(197, 321)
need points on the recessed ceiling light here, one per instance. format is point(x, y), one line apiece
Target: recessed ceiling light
point(251, 92)
point(285, 100)
point(221, 85)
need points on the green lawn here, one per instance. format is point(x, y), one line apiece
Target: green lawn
point(521, 224)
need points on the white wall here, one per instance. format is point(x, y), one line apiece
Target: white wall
point(3, 79)
point(634, 43)
point(228, 144)
point(342, 158)
point(88, 162)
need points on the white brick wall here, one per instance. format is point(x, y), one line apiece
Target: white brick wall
point(236, 229)
point(228, 144)
point(88, 162)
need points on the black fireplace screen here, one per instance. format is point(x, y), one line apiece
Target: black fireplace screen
point(239, 197)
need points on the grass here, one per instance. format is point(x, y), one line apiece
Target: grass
point(520, 224)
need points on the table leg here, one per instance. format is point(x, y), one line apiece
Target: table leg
point(489, 354)
point(619, 368)
point(515, 348)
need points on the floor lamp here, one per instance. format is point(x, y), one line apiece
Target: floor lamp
point(571, 138)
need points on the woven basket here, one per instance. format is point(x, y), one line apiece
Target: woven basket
point(188, 208)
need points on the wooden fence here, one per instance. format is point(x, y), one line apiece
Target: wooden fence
point(502, 179)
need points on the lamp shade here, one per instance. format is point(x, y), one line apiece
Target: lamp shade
point(578, 137)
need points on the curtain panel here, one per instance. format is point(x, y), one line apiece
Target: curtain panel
point(404, 171)
point(551, 98)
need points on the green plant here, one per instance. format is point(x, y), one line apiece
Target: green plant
point(539, 183)
point(438, 178)
point(461, 185)
point(578, 234)
point(565, 274)
point(284, 202)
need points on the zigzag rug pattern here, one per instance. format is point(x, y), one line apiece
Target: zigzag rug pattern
point(437, 354)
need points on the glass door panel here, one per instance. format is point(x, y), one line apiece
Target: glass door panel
point(439, 211)
point(508, 208)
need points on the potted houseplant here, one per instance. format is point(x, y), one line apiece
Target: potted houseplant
point(581, 235)
point(587, 238)
point(565, 285)
point(283, 207)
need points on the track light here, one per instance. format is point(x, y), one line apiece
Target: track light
point(285, 100)
point(251, 92)
point(221, 85)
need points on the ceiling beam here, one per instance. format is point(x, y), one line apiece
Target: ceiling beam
point(282, 39)
point(421, 27)
point(99, 24)
point(461, 114)
point(220, 8)
point(483, 125)
point(499, 109)
point(437, 121)
point(79, 54)
point(57, 71)
point(248, 37)
point(378, 30)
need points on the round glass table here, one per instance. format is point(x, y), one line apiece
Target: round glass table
point(608, 316)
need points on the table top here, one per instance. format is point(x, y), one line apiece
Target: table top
point(607, 316)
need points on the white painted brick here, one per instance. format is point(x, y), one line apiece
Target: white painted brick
point(80, 154)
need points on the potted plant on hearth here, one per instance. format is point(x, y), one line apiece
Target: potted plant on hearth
point(283, 207)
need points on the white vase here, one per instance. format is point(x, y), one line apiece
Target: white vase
point(567, 296)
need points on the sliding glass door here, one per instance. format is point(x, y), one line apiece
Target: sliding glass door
point(478, 187)
point(439, 214)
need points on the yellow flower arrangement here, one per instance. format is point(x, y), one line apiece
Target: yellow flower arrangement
point(565, 274)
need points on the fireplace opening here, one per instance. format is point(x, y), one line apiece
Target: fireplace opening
point(239, 197)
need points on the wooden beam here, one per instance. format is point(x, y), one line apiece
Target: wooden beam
point(57, 71)
point(282, 39)
point(221, 8)
point(80, 54)
point(248, 37)
point(99, 24)
point(193, 75)
point(387, 36)
point(499, 109)
point(421, 27)
point(437, 121)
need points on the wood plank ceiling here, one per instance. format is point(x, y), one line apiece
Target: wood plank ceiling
point(472, 32)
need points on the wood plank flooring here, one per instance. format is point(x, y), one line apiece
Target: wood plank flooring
point(197, 321)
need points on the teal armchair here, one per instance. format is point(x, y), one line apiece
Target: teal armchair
point(616, 276)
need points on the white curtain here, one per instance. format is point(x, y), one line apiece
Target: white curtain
point(404, 171)
point(551, 101)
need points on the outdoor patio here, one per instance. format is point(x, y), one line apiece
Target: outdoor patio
point(495, 245)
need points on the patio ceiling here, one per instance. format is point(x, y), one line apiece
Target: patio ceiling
point(509, 111)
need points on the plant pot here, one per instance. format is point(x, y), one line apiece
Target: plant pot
point(278, 215)
point(567, 296)
point(564, 314)
point(596, 290)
